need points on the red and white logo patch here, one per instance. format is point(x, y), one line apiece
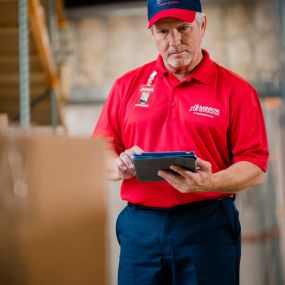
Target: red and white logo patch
point(206, 111)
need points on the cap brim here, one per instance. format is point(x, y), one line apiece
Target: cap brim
point(181, 14)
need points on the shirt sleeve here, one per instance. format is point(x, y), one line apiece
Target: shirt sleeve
point(247, 134)
point(108, 125)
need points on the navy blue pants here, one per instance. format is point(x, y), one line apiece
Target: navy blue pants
point(197, 244)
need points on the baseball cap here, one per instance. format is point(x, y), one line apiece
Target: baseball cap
point(184, 10)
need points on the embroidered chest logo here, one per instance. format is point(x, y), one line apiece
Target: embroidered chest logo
point(146, 90)
point(206, 111)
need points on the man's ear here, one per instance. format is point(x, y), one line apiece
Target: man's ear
point(204, 24)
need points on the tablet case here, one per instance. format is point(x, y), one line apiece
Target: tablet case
point(147, 164)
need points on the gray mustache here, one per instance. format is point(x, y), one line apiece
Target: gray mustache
point(176, 50)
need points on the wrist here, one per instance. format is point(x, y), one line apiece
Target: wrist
point(215, 183)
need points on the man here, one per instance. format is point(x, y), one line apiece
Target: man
point(184, 230)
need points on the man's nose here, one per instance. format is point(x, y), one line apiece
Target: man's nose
point(174, 37)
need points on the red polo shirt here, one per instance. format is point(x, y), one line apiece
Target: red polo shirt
point(213, 112)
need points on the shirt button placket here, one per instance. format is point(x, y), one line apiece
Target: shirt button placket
point(173, 107)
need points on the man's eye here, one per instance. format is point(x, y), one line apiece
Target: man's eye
point(162, 31)
point(183, 28)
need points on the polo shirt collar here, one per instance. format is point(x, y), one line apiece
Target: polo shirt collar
point(204, 73)
point(206, 70)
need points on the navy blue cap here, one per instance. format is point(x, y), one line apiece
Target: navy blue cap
point(184, 10)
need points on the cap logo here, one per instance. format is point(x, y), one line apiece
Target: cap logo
point(161, 3)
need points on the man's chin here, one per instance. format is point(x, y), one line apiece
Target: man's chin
point(181, 58)
point(178, 63)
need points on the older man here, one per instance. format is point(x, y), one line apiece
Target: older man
point(184, 230)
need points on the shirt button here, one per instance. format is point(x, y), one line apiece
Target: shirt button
point(173, 104)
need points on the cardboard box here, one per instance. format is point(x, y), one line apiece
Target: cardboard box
point(3, 121)
point(59, 195)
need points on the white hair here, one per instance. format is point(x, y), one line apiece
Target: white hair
point(199, 18)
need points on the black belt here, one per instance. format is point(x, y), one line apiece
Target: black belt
point(179, 207)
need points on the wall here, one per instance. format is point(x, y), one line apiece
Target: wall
point(108, 42)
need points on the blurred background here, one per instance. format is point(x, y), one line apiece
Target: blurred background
point(58, 61)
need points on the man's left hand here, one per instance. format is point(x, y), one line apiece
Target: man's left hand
point(187, 181)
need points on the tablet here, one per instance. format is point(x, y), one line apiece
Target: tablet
point(147, 164)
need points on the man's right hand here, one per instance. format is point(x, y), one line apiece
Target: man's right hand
point(124, 166)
